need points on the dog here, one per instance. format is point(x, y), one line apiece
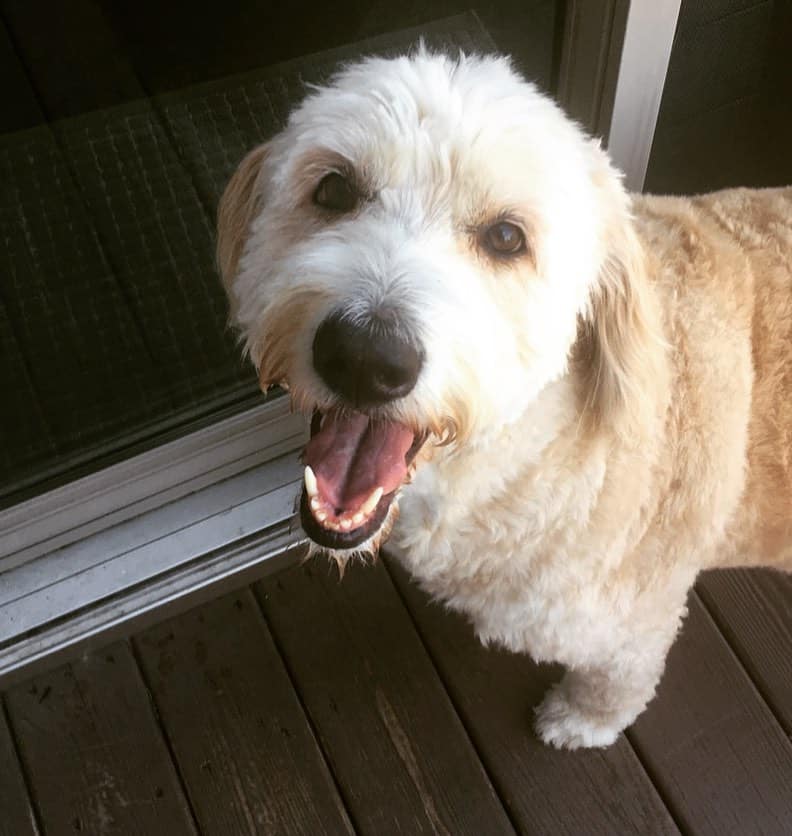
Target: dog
point(560, 401)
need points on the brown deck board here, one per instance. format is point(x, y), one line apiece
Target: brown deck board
point(753, 608)
point(393, 713)
point(711, 744)
point(593, 791)
point(399, 752)
point(88, 736)
point(248, 757)
point(16, 812)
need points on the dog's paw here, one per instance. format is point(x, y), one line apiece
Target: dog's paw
point(562, 724)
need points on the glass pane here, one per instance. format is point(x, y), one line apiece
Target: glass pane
point(120, 126)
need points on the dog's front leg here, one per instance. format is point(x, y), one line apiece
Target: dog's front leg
point(589, 708)
point(591, 705)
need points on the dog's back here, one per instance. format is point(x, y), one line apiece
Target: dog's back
point(762, 222)
point(724, 263)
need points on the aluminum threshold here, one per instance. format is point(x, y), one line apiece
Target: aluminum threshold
point(147, 537)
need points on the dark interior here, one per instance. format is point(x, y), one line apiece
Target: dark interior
point(726, 114)
point(123, 125)
point(121, 122)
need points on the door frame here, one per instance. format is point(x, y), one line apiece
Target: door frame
point(613, 66)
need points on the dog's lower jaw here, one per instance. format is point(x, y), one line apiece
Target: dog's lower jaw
point(341, 557)
point(366, 551)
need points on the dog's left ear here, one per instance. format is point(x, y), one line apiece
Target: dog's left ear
point(236, 210)
point(620, 346)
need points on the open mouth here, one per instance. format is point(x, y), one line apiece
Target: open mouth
point(355, 465)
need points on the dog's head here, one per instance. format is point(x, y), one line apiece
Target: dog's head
point(425, 247)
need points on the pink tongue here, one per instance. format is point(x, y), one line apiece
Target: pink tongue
point(351, 456)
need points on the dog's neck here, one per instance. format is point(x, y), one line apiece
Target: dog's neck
point(555, 425)
point(545, 471)
point(568, 442)
point(486, 463)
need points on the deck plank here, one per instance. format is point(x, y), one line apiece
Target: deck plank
point(753, 609)
point(711, 744)
point(547, 791)
point(88, 736)
point(397, 748)
point(17, 818)
point(248, 757)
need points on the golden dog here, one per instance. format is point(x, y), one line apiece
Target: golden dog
point(561, 401)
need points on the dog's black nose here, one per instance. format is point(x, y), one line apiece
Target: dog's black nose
point(367, 364)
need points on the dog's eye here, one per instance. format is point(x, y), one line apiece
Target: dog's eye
point(336, 193)
point(504, 238)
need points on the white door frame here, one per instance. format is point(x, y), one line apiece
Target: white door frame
point(614, 62)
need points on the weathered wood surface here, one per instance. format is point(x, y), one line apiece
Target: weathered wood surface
point(753, 609)
point(90, 741)
point(243, 745)
point(17, 817)
point(398, 749)
point(712, 746)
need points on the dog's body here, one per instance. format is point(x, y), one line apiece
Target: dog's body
point(577, 549)
point(621, 419)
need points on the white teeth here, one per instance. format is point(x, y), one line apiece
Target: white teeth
point(371, 503)
point(329, 520)
point(312, 489)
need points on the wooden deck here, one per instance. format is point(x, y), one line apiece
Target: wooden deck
point(302, 705)
point(305, 705)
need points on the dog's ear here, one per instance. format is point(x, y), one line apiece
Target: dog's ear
point(620, 346)
point(236, 210)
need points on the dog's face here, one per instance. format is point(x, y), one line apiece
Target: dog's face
point(412, 256)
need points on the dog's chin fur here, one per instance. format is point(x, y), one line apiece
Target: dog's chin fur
point(366, 552)
point(616, 396)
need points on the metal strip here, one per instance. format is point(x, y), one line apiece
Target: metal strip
point(648, 39)
point(162, 560)
point(138, 550)
point(151, 535)
point(198, 581)
point(147, 481)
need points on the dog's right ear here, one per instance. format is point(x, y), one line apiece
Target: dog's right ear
point(236, 210)
point(620, 339)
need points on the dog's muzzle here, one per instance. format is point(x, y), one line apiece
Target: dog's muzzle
point(356, 463)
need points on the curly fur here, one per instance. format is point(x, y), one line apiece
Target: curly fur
point(620, 399)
